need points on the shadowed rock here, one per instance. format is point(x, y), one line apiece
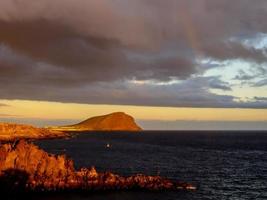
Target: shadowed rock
point(25, 166)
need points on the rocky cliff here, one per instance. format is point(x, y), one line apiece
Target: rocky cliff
point(10, 131)
point(118, 121)
point(25, 167)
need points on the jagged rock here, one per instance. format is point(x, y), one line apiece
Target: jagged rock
point(118, 121)
point(25, 167)
point(9, 131)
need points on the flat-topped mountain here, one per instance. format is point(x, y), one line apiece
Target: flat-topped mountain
point(9, 131)
point(118, 121)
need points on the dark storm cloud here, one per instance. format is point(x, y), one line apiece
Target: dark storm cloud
point(193, 92)
point(73, 50)
point(243, 76)
point(260, 98)
point(233, 50)
point(47, 31)
point(26, 72)
point(260, 83)
point(216, 83)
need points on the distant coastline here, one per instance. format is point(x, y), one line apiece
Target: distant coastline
point(118, 121)
point(11, 132)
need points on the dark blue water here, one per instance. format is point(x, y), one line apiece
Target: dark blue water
point(224, 165)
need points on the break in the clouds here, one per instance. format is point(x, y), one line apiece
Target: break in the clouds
point(142, 52)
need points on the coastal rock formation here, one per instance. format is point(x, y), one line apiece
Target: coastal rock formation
point(10, 132)
point(118, 121)
point(25, 167)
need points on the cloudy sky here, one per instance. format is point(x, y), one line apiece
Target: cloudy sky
point(203, 60)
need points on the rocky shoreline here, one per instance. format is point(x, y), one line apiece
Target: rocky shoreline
point(25, 167)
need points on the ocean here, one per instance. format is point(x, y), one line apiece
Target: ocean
point(222, 164)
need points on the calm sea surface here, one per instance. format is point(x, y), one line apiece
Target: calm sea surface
point(224, 165)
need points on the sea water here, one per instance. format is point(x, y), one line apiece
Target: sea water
point(223, 165)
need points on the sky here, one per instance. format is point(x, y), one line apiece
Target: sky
point(172, 64)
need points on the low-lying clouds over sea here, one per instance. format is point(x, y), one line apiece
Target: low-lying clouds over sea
point(142, 52)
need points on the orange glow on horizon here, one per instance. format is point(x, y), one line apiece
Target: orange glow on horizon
point(53, 110)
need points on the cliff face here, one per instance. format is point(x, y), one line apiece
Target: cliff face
point(10, 131)
point(112, 122)
point(25, 167)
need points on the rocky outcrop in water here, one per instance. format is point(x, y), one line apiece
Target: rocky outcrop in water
point(23, 166)
point(9, 131)
point(118, 121)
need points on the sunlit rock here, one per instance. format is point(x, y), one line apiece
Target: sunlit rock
point(118, 121)
point(23, 166)
point(9, 132)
